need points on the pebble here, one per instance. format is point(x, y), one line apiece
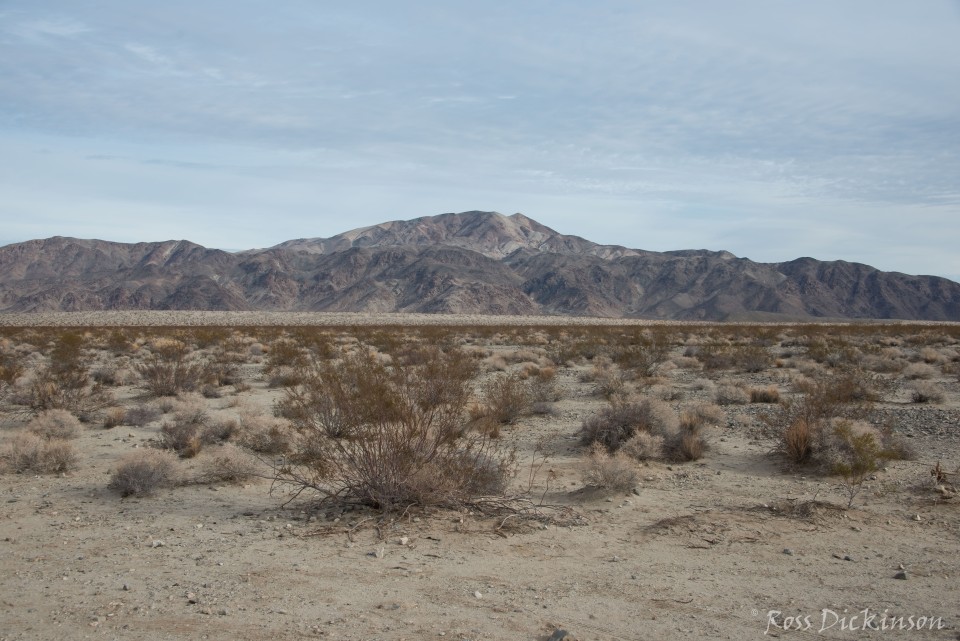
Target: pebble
point(478, 595)
point(191, 597)
point(157, 544)
point(900, 575)
point(788, 551)
point(559, 635)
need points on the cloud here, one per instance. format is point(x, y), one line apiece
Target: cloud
point(764, 128)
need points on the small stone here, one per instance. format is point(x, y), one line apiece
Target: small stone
point(126, 588)
point(157, 544)
point(477, 594)
point(559, 635)
point(900, 575)
point(788, 551)
point(404, 540)
point(222, 612)
point(900, 566)
point(636, 491)
point(847, 557)
point(191, 597)
point(916, 517)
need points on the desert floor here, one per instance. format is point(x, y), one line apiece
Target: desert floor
point(736, 545)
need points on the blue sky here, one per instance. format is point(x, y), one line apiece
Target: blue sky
point(768, 128)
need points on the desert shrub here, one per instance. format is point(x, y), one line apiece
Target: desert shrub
point(210, 391)
point(644, 352)
point(181, 437)
point(798, 440)
point(731, 394)
point(390, 437)
point(769, 394)
point(169, 369)
point(643, 446)
point(228, 464)
point(284, 376)
point(608, 471)
point(926, 392)
point(543, 386)
point(915, 371)
point(685, 444)
point(113, 417)
point(52, 424)
point(616, 424)
point(106, 375)
point(11, 368)
point(701, 415)
point(27, 452)
point(213, 432)
point(143, 472)
point(141, 415)
point(504, 399)
point(263, 434)
point(63, 388)
point(745, 358)
point(608, 379)
point(857, 452)
point(285, 352)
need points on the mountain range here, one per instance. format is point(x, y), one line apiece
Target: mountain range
point(466, 263)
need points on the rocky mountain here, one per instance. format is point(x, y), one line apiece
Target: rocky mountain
point(472, 263)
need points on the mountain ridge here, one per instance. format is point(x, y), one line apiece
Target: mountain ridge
point(470, 262)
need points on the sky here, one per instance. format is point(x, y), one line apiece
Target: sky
point(772, 129)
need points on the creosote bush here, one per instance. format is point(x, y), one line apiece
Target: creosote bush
point(505, 398)
point(143, 472)
point(616, 424)
point(390, 437)
point(169, 370)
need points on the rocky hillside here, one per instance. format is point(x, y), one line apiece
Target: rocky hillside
point(474, 262)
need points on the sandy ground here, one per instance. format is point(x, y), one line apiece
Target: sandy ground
point(710, 549)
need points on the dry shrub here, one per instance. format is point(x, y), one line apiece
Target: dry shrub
point(931, 356)
point(687, 444)
point(228, 464)
point(701, 415)
point(926, 392)
point(182, 438)
point(798, 440)
point(390, 438)
point(616, 424)
point(213, 432)
point(113, 417)
point(53, 424)
point(543, 386)
point(284, 376)
point(617, 472)
point(731, 394)
point(169, 369)
point(27, 452)
point(504, 399)
point(643, 446)
point(264, 435)
point(63, 388)
point(143, 472)
point(769, 394)
point(141, 415)
point(686, 362)
point(915, 371)
point(609, 381)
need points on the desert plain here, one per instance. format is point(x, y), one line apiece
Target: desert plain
point(732, 534)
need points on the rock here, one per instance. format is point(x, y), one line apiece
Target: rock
point(477, 594)
point(788, 551)
point(157, 544)
point(916, 517)
point(900, 575)
point(222, 612)
point(126, 588)
point(404, 540)
point(191, 597)
point(847, 557)
point(560, 635)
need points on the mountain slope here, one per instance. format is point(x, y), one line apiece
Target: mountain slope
point(473, 262)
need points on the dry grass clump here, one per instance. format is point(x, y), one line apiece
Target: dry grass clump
point(729, 393)
point(181, 437)
point(143, 472)
point(769, 394)
point(616, 472)
point(643, 446)
point(915, 371)
point(28, 452)
point(55, 424)
point(685, 444)
point(926, 392)
point(114, 417)
point(543, 385)
point(701, 415)
point(228, 464)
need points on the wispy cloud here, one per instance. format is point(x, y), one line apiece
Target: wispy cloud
point(770, 129)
